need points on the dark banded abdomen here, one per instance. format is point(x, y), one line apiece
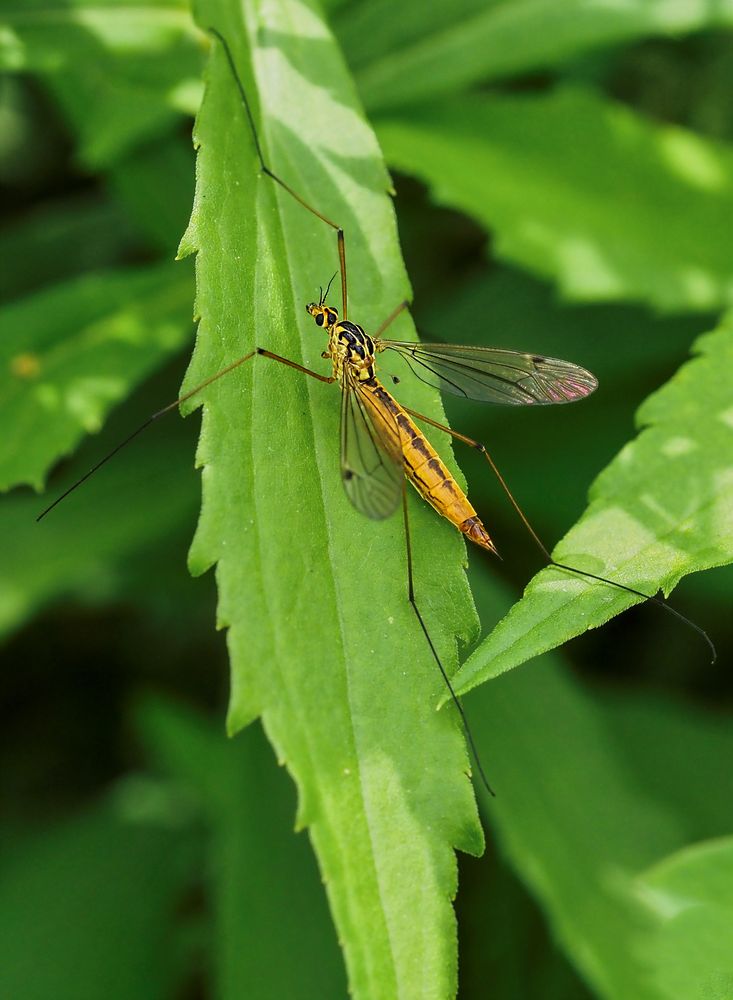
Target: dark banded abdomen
point(422, 465)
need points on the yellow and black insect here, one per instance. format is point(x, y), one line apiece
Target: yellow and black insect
point(381, 445)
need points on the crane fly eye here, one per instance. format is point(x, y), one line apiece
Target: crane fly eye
point(319, 319)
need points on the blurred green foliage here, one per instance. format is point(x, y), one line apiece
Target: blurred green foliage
point(569, 192)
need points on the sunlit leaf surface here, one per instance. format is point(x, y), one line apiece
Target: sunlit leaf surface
point(322, 641)
point(580, 190)
point(121, 71)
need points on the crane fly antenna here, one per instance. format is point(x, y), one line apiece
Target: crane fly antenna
point(660, 603)
point(324, 296)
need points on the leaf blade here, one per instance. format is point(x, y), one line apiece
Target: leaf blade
point(413, 61)
point(582, 191)
point(75, 350)
point(320, 643)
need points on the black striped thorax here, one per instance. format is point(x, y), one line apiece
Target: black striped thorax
point(350, 347)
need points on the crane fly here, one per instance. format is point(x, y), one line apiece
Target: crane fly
point(380, 442)
point(381, 445)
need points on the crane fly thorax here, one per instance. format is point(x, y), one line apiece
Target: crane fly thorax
point(353, 349)
point(349, 347)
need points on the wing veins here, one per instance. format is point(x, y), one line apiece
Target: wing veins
point(372, 476)
point(485, 373)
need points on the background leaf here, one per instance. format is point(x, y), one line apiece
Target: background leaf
point(88, 905)
point(691, 894)
point(269, 914)
point(121, 72)
point(446, 48)
point(86, 548)
point(76, 350)
point(581, 811)
point(581, 191)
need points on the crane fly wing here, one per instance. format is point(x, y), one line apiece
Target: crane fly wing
point(492, 375)
point(371, 460)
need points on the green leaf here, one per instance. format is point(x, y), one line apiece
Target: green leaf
point(691, 896)
point(36, 34)
point(369, 31)
point(413, 58)
point(83, 549)
point(662, 509)
point(581, 191)
point(323, 643)
point(269, 915)
point(71, 352)
point(88, 907)
point(122, 72)
point(581, 814)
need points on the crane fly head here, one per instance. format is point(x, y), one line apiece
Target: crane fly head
point(325, 316)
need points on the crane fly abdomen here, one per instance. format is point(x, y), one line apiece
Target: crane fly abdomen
point(421, 463)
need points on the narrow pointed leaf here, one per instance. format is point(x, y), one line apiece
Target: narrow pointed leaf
point(323, 643)
point(662, 509)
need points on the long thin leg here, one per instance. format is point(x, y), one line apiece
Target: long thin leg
point(543, 548)
point(391, 318)
point(278, 180)
point(176, 403)
point(441, 668)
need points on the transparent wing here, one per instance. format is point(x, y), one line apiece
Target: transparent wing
point(371, 463)
point(495, 376)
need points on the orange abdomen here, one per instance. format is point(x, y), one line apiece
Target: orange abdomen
point(423, 467)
